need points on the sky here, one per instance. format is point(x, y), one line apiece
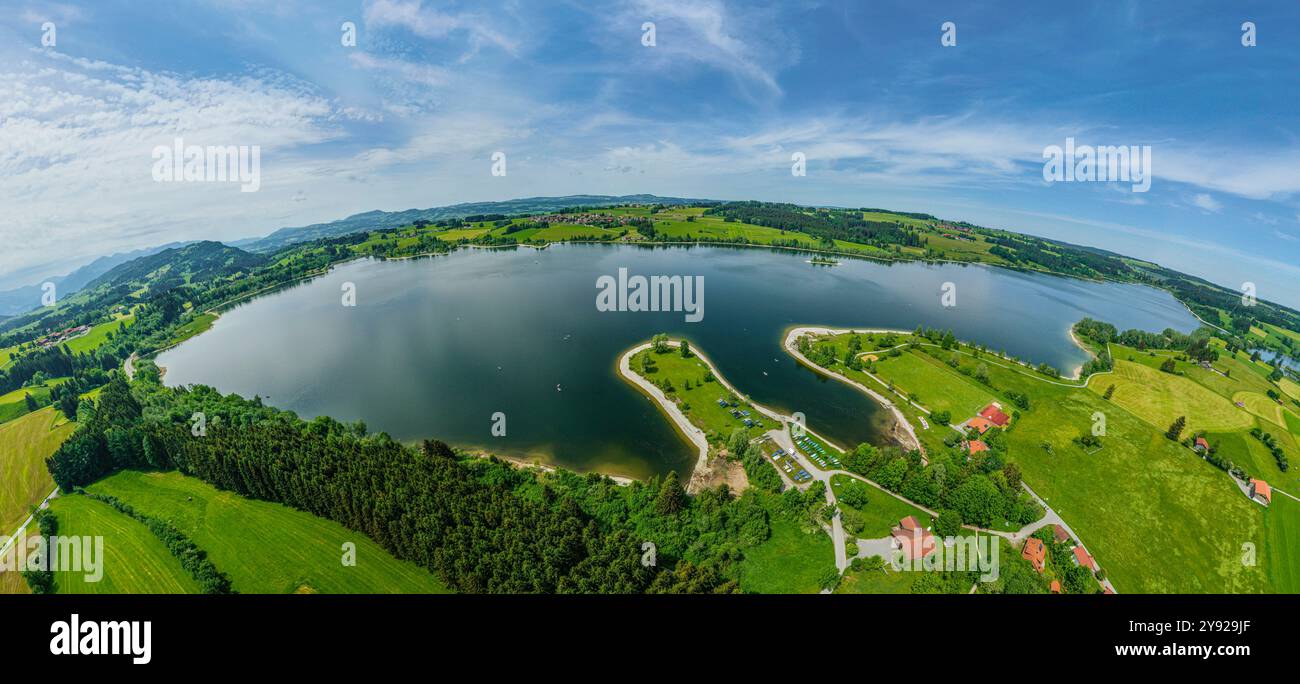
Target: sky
point(884, 113)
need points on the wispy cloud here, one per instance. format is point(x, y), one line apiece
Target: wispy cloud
point(1204, 201)
point(435, 24)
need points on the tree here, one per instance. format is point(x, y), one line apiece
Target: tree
point(1078, 580)
point(948, 524)
point(941, 417)
point(978, 501)
point(1176, 428)
point(1168, 366)
point(671, 498)
point(1109, 391)
point(738, 443)
point(685, 349)
point(68, 405)
point(31, 402)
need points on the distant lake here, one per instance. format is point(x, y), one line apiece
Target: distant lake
point(436, 346)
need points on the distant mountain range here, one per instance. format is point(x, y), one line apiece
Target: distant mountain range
point(373, 220)
point(23, 299)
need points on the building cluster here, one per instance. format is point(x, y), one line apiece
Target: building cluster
point(56, 338)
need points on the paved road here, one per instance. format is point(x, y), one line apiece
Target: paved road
point(22, 529)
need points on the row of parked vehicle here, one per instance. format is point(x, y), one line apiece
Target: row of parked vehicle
point(739, 414)
point(818, 453)
point(791, 467)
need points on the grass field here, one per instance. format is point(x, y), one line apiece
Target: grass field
point(25, 443)
point(14, 404)
point(884, 581)
point(1281, 557)
point(13, 582)
point(1160, 398)
point(134, 560)
point(266, 547)
point(98, 334)
point(791, 561)
point(1290, 387)
point(937, 389)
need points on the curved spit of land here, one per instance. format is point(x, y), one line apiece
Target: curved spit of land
point(781, 435)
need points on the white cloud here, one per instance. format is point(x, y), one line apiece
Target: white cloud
point(1206, 202)
point(77, 145)
point(745, 41)
point(431, 23)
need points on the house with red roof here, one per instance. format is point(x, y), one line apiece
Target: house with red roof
point(1035, 552)
point(1082, 558)
point(1201, 445)
point(1060, 534)
point(976, 446)
point(980, 424)
point(993, 413)
point(1056, 587)
point(1261, 492)
point(914, 540)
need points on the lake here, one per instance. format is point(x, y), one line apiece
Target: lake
point(435, 346)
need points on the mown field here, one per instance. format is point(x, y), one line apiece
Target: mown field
point(265, 547)
point(134, 560)
point(25, 443)
point(1157, 517)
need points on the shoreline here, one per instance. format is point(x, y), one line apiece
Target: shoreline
point(679, 419)
point(684, 426)
point(789, 344)
point(621, 480)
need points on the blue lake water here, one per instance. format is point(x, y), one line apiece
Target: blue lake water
point(434, 347)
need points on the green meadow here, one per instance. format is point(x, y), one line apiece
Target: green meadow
point(134, 560)
point(791, 561)
point(25, 443)
point(267, 548)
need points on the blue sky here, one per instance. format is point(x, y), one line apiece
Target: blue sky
point(885, 115)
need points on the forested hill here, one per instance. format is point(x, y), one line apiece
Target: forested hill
point(380, 220)
point(193, 263)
